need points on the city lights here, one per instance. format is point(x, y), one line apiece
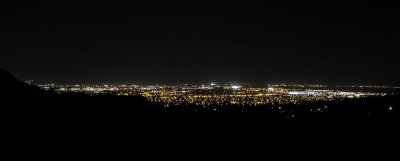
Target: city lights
point(223, 95)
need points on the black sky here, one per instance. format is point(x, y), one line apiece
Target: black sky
point(179, 42)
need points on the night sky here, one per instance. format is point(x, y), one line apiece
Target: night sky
point(186, 42)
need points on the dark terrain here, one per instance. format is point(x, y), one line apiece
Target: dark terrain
point(33, 117)
point(28, 103)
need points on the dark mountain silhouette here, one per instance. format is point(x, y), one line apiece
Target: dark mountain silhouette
point(25, 104)
point(11, 87)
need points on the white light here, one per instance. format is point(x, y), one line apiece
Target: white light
point(235, 87)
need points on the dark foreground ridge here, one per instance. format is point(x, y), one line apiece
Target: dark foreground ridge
point(24, 103)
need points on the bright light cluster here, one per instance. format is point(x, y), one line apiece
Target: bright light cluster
point(214, 94)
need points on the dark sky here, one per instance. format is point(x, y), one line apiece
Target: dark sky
point(179, 42)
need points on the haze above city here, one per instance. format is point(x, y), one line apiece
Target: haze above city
point(186, 42)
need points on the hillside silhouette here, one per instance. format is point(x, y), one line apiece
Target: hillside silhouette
point(11, 87)
point(25, 104)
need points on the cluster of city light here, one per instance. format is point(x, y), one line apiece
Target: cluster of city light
point(247, 96)
point(213, 94)
point(94, 89)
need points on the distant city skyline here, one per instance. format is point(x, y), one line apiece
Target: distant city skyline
point(218, 84)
